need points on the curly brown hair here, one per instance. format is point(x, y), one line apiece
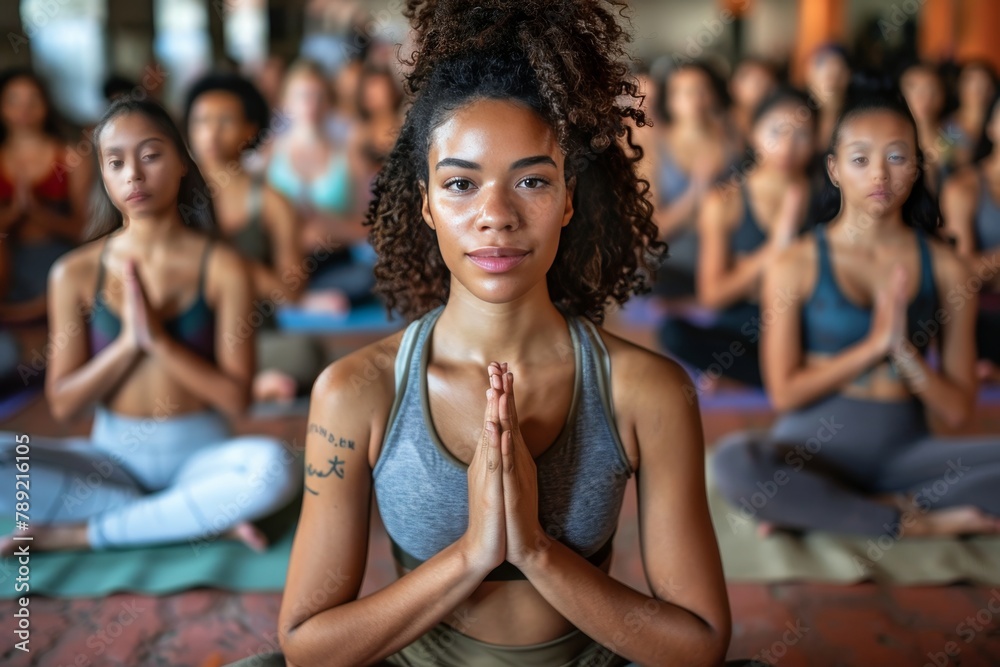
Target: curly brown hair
point(566, 60)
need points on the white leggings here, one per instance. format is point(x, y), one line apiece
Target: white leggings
point(146, 480)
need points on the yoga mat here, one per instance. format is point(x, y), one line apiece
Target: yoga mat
point(840, 559)
point(160, 570)
point(362, 319)
point(12, 404)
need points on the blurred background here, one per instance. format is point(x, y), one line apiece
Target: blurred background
point(165, 44)
point(328, 75)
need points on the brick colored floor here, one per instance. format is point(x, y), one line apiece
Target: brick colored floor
point(791, 625)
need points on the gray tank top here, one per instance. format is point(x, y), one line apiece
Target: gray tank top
point(421, 489)
point(987, 218)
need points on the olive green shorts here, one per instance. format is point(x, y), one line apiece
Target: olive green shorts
point(442, 646)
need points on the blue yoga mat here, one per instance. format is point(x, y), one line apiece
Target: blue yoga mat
point(363, 319)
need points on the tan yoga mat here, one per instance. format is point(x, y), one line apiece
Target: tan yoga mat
point(830, 558)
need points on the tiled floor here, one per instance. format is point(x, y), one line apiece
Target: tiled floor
point(791, 625)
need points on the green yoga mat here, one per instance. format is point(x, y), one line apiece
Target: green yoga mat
point(825, 557)
point(160, 570)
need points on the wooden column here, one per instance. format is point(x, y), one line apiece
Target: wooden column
point(820, 21)
point(16, 49)
point(217, 10)
point(130, 36)
point(978, 36)
point(936, 36)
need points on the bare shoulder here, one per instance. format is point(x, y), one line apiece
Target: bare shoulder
point(721, 209)
point(648, 389)
point(794, 270)
point(950, 269)
point(224, 267)
point(360, 385)
point(77, 269)
point(965, 181)
point(276, 207)
point(638, 364)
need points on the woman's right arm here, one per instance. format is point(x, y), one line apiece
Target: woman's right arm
point(322, 621)
point(73, 380)
point(790, 383)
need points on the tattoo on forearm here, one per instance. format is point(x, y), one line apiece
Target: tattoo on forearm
point(330, 437)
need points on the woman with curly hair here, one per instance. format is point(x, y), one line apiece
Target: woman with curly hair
point(502, 428)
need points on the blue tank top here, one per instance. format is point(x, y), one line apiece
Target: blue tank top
point(671, 179)
point(987, 227)
point(830, 322)
point(422, 489)
point(748, 236)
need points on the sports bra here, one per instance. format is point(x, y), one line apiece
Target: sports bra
point(831, 322)
point(748, 236)
point(421, 488)
point(194, 327)
point(53, 190)
point(330, 191)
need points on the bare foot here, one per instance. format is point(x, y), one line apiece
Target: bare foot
point(272, 385)
point(765, 529)
point(330, 301)
point(707, 385)
point(248, 534)
point(57, 537)
point(899, 501)
point(951, 521)
point(987, 371)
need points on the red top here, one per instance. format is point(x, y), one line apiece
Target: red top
point(53, 188)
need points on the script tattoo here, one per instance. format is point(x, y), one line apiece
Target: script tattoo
point(330, 437)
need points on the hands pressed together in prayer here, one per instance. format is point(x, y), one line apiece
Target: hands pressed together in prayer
point(503, 487)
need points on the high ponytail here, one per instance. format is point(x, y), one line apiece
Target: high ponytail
point(566, 61)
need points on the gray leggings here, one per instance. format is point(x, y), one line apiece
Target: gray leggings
point(819, 467)
point(141, 481)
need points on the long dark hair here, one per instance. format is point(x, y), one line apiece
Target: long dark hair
point(869, 94)
point(194, 199)
point(52, 124)
point(566, 61)
point(985, 146)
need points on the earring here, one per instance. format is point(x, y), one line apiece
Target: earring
point(836, 184)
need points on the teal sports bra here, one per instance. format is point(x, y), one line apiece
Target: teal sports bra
point(330, 191)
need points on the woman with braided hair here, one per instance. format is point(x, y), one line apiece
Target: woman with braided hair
point(502, 429)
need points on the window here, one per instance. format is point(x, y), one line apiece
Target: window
point(67, 46)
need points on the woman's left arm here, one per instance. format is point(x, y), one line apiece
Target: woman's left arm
point(274, 282)
point(225, 385)
point(951, 392)
point(687, 621)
